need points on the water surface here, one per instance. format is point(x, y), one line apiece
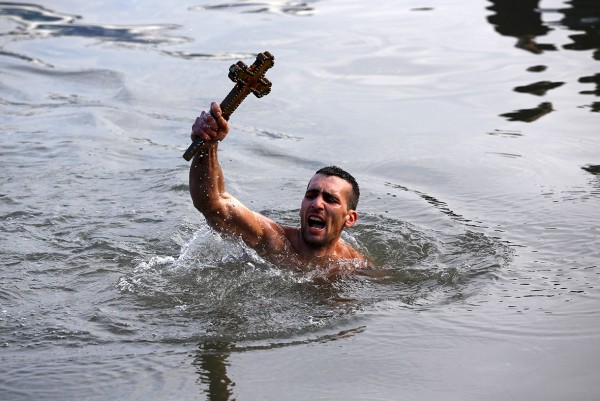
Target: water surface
point(471, 128)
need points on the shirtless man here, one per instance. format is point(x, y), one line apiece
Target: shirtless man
point(328, 206)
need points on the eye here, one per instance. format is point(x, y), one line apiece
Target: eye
point(310, 195)
point(330, 198)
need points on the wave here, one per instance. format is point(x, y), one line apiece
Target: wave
point(232, 294)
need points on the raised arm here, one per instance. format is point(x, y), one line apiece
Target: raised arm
point(222, 211)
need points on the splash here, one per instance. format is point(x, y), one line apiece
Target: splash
point(233, 294)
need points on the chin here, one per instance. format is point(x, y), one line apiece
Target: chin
point(312, 242)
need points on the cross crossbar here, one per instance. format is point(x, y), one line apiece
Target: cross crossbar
point(248, 79)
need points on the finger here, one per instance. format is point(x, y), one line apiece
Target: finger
point(198, 131)
point(198, 124)
point(202, 135)
point(199, 128)
point(215, 115)
point(221, 124)
point(210, 130)
point(201, 119)
point(215, 109)
point(211, 123)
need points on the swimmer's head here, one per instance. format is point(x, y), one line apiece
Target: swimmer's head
point(344, 175)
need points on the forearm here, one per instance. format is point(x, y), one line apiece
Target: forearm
point(222, 211)
point(207, 184)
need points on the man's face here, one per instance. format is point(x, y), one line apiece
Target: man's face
point(324, 211)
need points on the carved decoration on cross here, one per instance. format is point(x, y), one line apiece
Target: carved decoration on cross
point(248, 79)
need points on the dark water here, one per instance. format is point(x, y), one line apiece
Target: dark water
point(471, 127)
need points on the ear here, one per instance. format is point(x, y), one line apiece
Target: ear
point(351, 218)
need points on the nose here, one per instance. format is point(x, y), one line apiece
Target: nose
point(317, 203)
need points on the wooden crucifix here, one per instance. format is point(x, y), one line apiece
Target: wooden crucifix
point(247, 79)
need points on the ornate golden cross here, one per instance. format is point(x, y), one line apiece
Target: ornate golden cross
point(247, 79)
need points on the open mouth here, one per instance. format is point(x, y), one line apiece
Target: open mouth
point(315, 222)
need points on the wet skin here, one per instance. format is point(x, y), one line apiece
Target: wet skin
point(324, 212)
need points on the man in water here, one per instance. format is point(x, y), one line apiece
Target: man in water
point(328, 206)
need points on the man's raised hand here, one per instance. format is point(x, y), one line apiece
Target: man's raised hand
point(210, 127)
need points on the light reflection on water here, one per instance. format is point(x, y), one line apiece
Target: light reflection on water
point(484, 233)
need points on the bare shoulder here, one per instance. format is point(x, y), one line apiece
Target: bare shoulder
point(349, 252)
point(273, 235)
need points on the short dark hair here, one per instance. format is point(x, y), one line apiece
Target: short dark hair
point(346, 176)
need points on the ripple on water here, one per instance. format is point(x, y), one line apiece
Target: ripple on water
point(303, 8)
point(229, 293)
point(38, 21)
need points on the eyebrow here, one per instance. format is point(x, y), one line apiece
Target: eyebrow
point(325, 193)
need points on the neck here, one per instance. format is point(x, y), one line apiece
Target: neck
point(309, 253)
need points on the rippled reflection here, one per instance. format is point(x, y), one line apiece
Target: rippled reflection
point(267, 6)
point(538, 88)
point(529, 115)
point(211, 364)
point(584, 17)
point(211, 359)
point(523, 20)
point(209, 56)
point(37, 21)
point(594, 169)
point(595, 80)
